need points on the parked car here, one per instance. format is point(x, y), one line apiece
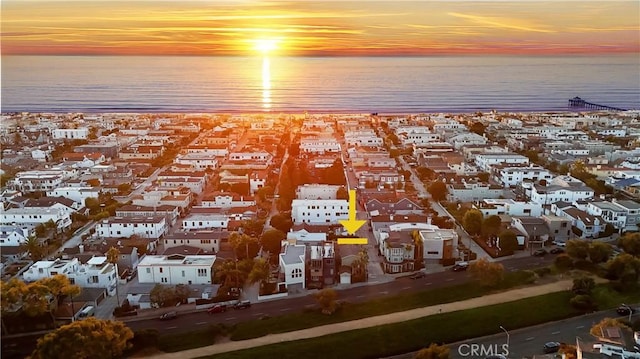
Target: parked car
point(540, 252)
point(169, 316)
point(417, 275)
point(551, 347)
point(242, 305)
point(458, 267)
point(556, 250)
point(218, 308)
point(132, 274)
point(560, 243)
point(624, 310)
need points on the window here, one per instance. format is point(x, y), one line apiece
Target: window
point(202, 272)
point(164, 280)
point(148, 270)
point(183, 274)
point(296, 273)
point(160, 269)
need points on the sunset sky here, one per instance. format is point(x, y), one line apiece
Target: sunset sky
point(318, 28)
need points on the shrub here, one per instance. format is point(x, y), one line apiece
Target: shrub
point(541, 272)
point(582, 302)
point(145, 338)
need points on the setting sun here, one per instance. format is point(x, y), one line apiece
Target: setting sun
point(266, 45)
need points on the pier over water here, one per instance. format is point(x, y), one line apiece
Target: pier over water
point(578, 102)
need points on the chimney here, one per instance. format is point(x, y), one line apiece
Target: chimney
point(429, 219)
point(81, 248)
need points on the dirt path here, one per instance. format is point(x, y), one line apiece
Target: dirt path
point(503, 297)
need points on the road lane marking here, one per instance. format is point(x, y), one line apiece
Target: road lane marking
point(384, 292)
point(357, 296)
point(170, 328)
point(285, 309)
point(258, 313)
point(405, 288)
point(555, 333)
point(448, 279)
point(231, 318)
point(580, 327)
point(530, 338)
point(428, 283)
point(201, 323)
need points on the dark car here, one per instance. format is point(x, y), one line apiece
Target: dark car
point(458, 267)
point(242, 305)
point(218, 308)
point(540, 252)
point(417, 275)
point(556, 250)
point(551, 347)
point(169, 316)
point(624, 310)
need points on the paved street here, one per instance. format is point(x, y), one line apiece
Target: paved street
point(353, 293)
point(527, 342)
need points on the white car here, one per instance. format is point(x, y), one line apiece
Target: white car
point(560, 244)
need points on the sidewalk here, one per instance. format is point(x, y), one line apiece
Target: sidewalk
point(397, 317)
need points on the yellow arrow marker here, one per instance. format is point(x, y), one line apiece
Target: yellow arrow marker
point(353, 241)
point(352, 224)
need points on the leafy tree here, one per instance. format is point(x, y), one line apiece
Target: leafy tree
point(583, 285)
point(472, 221)
point(181, 293)
point(438, 190)
point(563, 262)
point(508, 241)
point(578, 249)
point(93, 204)
point(487, 273)
point(271, 240)
point(60, 286)
point(11, 294)
point(327, 300)
point(599, 252)
point(569, 351)
point(625, 268)
point(281, 222)
point(582, 302)
point(229, 275)
point(597, 329)
point(260, 271)
point(433, 351)
point(252, 227)
point(630, 243)
point(88, 338)
point(491, 225)
point(243, 241)
point(33, 247)
point(162, 296)
point(425, 174)
point(36, 300)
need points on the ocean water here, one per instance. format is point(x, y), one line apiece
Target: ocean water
point(321, 84)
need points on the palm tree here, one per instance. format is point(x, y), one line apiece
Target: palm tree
point(229, 274)
point(260, 272)
point(33, 247)
point(238, 240)
point(112, 257)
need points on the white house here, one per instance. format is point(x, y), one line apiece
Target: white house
point(319, 145)
point(486, 160)
point(547, 195)
point(471, 192)
point(12, 236)
point(199, 161)
point(317, 191)
point(96, 273)
point(511, 176)
point(319, 211)
point(227, 200)
point(122, 227)
point(33, 216)
point(509, 207)
point(610, 212)
point(31, 181)
point(205, 221)
point(70, 133)
point(208, 241)
point(76, 194)
point(292, 266)
point(466, 139)
point(176, 269)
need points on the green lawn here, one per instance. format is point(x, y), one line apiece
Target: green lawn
point(409, 336)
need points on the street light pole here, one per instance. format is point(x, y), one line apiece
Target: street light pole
point(630, 311)
point(501, 327)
